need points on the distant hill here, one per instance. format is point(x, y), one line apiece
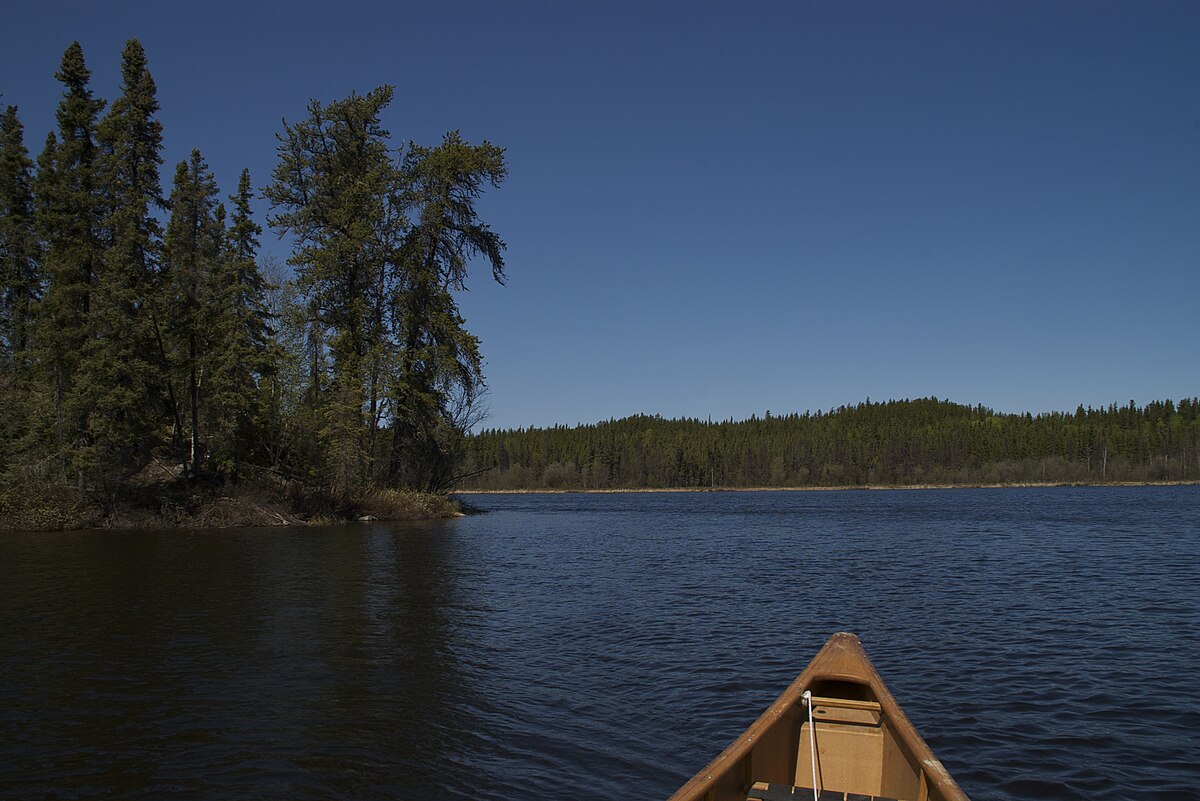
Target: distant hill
point(906, 442)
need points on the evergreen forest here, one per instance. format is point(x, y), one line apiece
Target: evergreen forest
point(907, 443)
point(149, 354)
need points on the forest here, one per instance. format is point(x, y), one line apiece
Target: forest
point(150, 355)
point(905, 443)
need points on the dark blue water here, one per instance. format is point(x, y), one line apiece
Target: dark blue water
point(1043, 641)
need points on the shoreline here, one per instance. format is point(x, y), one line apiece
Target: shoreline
point(224, 507)
point(223, 511)
point(840, 488)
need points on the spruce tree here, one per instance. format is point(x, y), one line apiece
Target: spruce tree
point(190, 300)
point(120, 377)
point(245, 356)
point(20, 268)
point(251, 286)
point(68, 210)
point(20, 257)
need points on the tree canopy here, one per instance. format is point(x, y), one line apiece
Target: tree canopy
point(384, 241)
point(910, 442)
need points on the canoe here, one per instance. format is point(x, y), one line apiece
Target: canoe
point(866, 748)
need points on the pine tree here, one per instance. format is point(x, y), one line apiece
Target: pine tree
point(68, 209)
point(337, 190)
point(440, 379)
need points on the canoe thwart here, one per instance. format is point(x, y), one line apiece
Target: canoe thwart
point(762, 791)
point(845, 710)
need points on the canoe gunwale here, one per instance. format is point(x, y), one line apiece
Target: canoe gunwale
point(842, 659)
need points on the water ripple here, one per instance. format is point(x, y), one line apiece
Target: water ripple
point(1042, 641)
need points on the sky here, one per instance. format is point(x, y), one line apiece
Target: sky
point(719, 209)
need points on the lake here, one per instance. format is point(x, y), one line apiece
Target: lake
point(1044, 642)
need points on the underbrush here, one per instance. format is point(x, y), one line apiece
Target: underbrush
point(399, 504)
point(170, 502)
point(47, 508)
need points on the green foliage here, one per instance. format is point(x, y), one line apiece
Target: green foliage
point(20, 256)
point(133, 358)
point(192, 300)
point(68, 212)
point(20, 285)
point(441, 374)
point(118, 377)
point(380, 290)
point(338, 192)
point(218, 331)
point(244, 283)
point(35, 505)
point(243, 353)
point(896, 443)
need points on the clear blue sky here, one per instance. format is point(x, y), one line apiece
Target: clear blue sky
point(716, 209)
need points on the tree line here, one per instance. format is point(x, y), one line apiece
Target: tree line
point(908, 442)
point(140, 329)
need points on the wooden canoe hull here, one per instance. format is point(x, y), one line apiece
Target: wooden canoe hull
point(865, 743)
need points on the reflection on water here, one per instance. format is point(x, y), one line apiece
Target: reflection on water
point(1041, 640)
point(300, 663)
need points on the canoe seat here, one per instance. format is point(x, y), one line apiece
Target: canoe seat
point(761, 791)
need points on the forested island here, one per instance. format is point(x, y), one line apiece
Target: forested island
point(154, 371)
point(897, 443)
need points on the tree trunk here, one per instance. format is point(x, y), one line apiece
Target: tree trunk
point(194, 392)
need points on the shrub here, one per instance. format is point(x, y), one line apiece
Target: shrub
point(399, 504)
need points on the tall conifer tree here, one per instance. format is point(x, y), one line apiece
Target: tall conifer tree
point(244, 358)
point(441, 375)
point(249, 285)
point(20, 267)
point(68, 210)
point(382, 288)
point(120, 376)
point(337, 189)
point(190, 302)
point(20, 257)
